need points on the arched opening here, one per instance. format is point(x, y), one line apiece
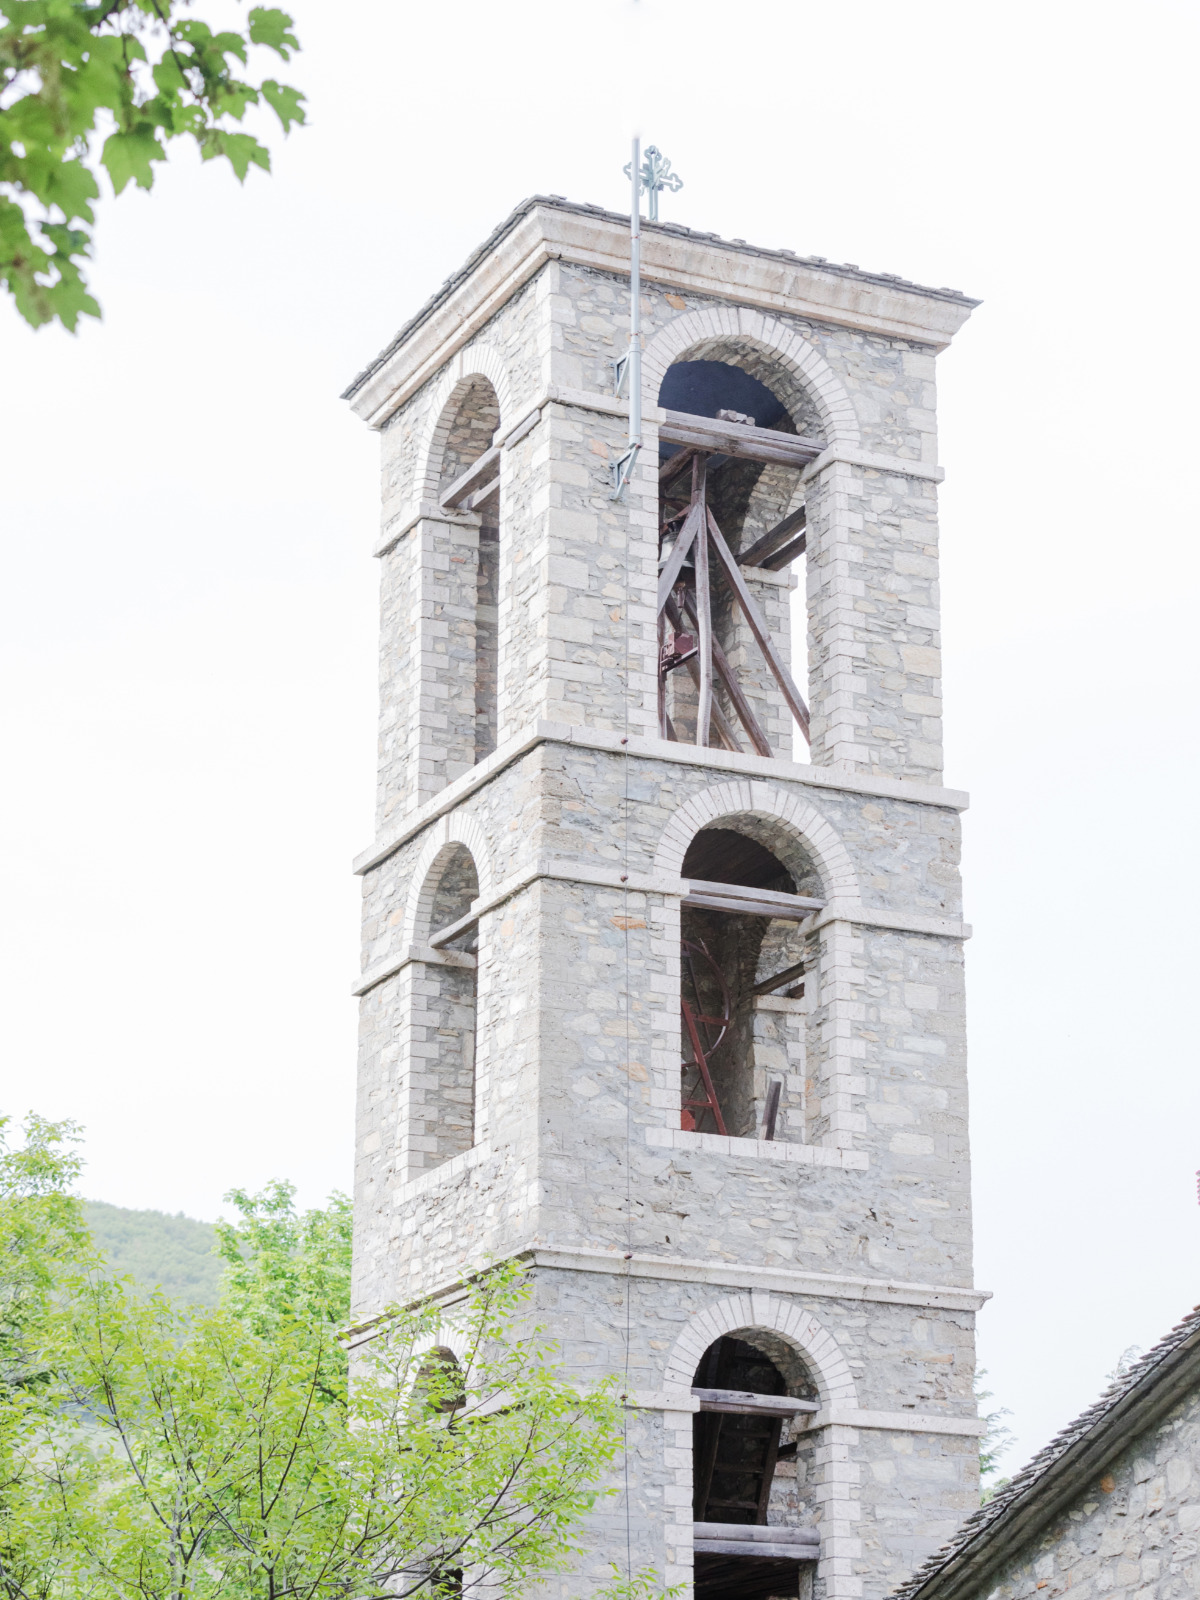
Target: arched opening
point(745, 954)
point(439, 1384)
point(469, 480)
point(752, 1480)
point(443, 1078)
point(732, 528)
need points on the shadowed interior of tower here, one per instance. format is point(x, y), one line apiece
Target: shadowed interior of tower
point(743, 951)
point(754, 1523)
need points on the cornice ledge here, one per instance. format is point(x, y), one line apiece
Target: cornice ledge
point(542, 732)
point(739, 1275)
point(540, 230)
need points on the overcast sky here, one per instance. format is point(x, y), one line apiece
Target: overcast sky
point(189, 600)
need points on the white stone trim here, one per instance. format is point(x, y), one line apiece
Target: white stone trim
point(391, 965)
point(836, 1488)
point(603, 877)
point(786, 285)
point(746, 1275)
point(830, 855)
point(895, 466)
point(729, 761)
point(680, 1269)
point(480, 360)
point(757, 1308)
point(801, 359)
point(801, 1155)
point(454, 828)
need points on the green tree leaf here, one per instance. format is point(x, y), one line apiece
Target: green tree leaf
point(129, 156)
point(153, 69)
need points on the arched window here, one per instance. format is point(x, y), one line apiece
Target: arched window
point(442, 1098)
point(732, 521)
point(752, 1480)
point(469, 480)
point(743, 967)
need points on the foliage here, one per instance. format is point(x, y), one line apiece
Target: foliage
point(41, 1231)
point(176, 1254)
point(142, 72)
point(283, 1266)
point(185, 1453)
point(996, 1440)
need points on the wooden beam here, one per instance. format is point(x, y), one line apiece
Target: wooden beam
point(733, 688)
point(785, 557)
point(764, 1493)
point(669, 576)
point(780, 979)
point(745, 908)
point(478, 472)
point(772, 539)
point(739, 891)
point(758, 627)
point(767, 1550)
point(444, 935)
point(672, 466)
point(704, 632)
point(744, 1403)
point(720, 720)
point(739, 439)
point(772, 1115)
point(474, 500)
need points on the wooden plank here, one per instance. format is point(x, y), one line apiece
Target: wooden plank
point(772, 1112)
point(706, 1460)
point(785, 557)
point(704, 632)
point(745, 908)
point(778, 1552)
point(479, 496)
point(781, 979)
point(739, 439)
point(764, 1494)
point(747, 1404)
point(758, 627)
point(719, 720)
point(475, 474)
point(733, 688)
point(444, 935)
point(751, 1534)
point(741, 891)
point(669, 576)
point(772, 539)
point(674, 465)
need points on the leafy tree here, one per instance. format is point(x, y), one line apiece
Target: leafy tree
point(182, 1453)
point(140, 72)
point(41, 1232)
point(997, 1438)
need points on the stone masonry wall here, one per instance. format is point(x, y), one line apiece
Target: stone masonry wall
point(1135, 1532)
point(884, 1076)
point(576, 621)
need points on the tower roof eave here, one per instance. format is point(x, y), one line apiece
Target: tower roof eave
point(544, 227)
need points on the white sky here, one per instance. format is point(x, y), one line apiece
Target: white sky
point(189, 627)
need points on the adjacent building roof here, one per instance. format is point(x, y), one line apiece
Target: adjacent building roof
point(1072, 1462)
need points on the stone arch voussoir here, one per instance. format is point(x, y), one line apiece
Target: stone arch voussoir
point(693, 330)
point(442, 837)
point(477, 361)
point(748, 798)
point(772, 1313)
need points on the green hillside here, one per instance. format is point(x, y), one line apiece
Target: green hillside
point(160, 1251)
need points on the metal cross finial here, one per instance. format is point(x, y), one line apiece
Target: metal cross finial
point(655, 175)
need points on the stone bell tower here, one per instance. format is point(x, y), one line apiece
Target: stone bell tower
point(655, 994)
